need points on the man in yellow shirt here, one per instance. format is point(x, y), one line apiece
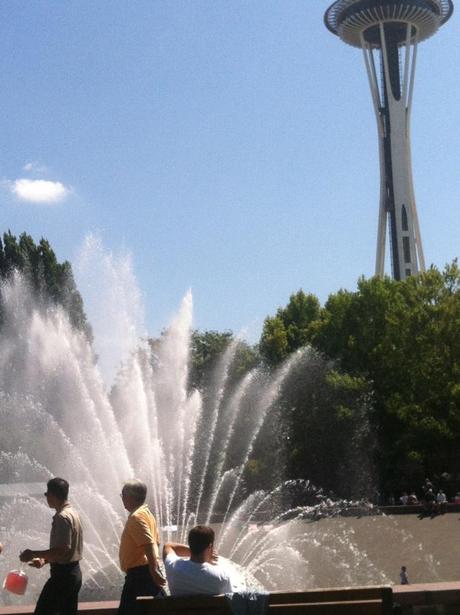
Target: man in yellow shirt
point(139, 553)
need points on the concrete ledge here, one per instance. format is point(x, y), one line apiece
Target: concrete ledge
point(427, 594)
point(414, 509)
point(93, 608)
point(413, 598)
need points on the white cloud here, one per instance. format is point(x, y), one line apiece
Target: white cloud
point(39, 190)
point(34, 167)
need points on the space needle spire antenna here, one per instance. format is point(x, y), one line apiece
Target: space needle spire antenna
point(388, 32)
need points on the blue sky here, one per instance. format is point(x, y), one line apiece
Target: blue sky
point(230, 146)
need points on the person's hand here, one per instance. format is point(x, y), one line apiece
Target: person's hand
point(214, 558)
point(1, 547)
point(26, 555)
point(37, 562)
point(157, 577)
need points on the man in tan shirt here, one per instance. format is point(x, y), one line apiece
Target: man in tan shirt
point(139, 552)
point(59, 595)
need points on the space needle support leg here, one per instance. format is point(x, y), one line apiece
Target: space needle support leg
point(382, 222)
point(371, 73)
point(412, 78)
point(418, 237)
point(407, 65)
point(383, 44)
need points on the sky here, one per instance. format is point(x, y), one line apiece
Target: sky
point(229, 146)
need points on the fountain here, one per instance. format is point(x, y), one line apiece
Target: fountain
point(59, 417)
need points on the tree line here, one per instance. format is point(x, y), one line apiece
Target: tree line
point(372, 406)
point(376, 407)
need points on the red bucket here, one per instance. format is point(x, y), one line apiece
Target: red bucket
point(16, 582)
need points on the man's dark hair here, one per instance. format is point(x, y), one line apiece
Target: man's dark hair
point(58, 487)
point(199, 538)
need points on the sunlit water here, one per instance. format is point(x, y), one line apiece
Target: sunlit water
point(99, 415)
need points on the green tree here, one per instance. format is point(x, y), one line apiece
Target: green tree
point(322, 415)
point(403, 337)
point(50, 280)
point(289, 329)
point(398, 343)
point(207, 348)
point(328, 431)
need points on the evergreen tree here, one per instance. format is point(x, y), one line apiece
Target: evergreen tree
point(51, 281)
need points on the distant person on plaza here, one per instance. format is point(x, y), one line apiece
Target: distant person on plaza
point(199, 572)
point(412, 498)
point(404, 499)
point(59, 595)
point(403, 578)
point(139, 549)
point(441, 501)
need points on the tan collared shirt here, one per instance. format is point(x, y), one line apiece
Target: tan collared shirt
point(66, 531)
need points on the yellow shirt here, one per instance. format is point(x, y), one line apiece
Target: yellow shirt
point(140, 530)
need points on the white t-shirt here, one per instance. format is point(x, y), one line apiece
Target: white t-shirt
point(187, 578)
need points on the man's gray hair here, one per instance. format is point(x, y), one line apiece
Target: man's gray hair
point(136, 489)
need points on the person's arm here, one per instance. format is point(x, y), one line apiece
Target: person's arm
point(177, 548)
point(60, 545)
point(48, 555)
point(153, 565)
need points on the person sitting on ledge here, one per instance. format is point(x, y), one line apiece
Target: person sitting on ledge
point(441, 501)
point(412, 500)
point(199, 573)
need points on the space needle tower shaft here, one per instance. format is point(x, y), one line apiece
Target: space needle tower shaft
point(388, 32)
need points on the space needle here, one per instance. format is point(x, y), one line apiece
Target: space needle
point(388, 32)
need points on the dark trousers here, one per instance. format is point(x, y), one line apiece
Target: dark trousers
point(138, 582)
point(59, 595)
